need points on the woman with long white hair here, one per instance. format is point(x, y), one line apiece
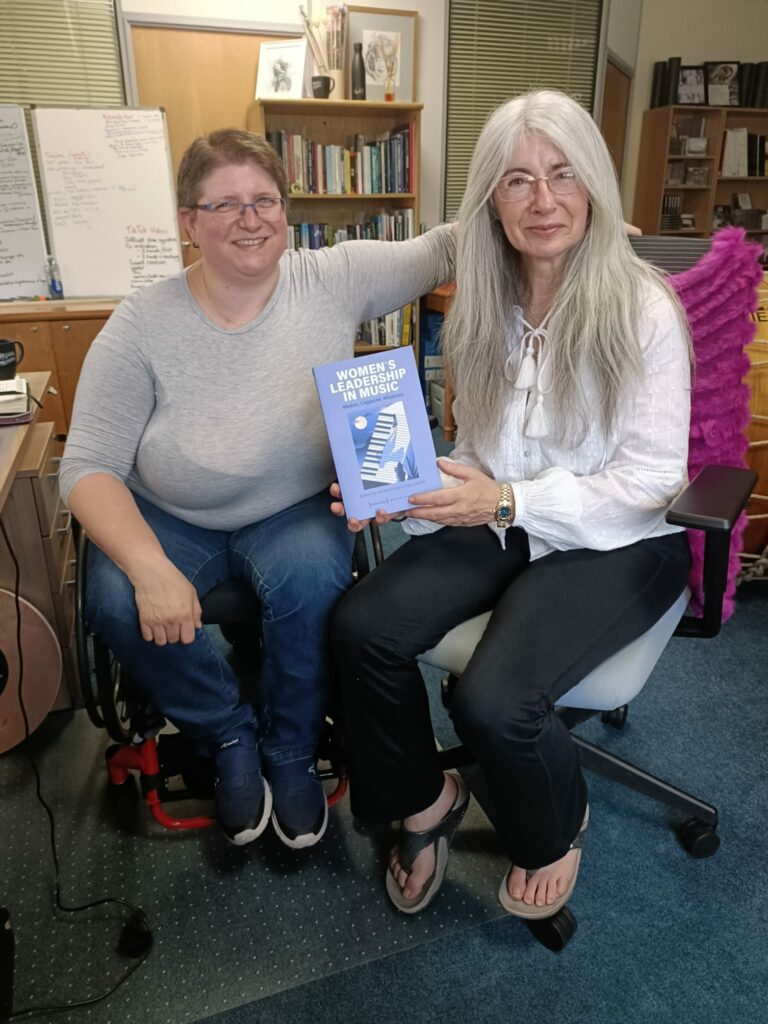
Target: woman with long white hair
point(570, 361)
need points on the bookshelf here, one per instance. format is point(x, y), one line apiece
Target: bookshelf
point(665, 189)
point(337, 123)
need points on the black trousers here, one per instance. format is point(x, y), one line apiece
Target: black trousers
point(554, 620)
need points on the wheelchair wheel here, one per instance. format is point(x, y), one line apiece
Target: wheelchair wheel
point(104, 690)
point(83, 641)
point(113, 693)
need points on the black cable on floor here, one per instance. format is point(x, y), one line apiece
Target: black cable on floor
point(136, 936)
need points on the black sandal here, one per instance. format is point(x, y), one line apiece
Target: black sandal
point(410, 845)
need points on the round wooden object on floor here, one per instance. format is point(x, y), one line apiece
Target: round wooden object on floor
point(42, 669)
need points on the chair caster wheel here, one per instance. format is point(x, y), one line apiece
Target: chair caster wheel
point(554, 932)
point(617, 718)
point(124, 802)
point(700, 840)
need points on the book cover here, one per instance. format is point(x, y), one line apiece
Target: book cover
point(378, 430)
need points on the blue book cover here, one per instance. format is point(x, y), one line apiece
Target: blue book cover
point(379, 431)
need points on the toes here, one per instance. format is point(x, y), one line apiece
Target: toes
point(516, 884)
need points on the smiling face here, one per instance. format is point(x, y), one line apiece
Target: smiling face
point(544, 226)
point(246, 247)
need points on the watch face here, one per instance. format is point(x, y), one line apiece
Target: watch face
point(504, 512)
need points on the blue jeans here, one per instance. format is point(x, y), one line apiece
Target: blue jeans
point(299, 563)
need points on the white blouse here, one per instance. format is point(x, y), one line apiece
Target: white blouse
point(608, 491)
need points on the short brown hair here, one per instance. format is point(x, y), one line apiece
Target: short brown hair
point(223, 147)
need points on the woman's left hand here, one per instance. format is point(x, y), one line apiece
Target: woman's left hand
point(471, 503)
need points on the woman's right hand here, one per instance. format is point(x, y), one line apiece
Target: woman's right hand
point(169, 611)
point(355, 525)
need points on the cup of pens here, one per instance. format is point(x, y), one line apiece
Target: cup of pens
point(326, 38)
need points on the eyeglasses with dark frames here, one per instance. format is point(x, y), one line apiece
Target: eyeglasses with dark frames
point(267, 207)
point(517, 186)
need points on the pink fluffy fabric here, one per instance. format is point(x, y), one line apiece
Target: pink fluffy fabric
point(718, 295)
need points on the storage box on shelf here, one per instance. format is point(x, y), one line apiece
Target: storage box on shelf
point(683, 184)
point(343, 203)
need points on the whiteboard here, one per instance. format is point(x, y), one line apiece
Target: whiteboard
point(109, 198)
point(22, 243)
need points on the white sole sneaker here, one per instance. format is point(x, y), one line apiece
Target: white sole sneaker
point(301, 842)
point(249, 834)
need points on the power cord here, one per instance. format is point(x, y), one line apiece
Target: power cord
point(136, 936)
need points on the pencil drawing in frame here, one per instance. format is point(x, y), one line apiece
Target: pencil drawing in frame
point(283, 69)
point(389, 51)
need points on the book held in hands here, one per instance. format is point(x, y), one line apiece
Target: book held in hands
point(378, 430)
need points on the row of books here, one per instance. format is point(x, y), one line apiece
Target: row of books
point(671, 210)
point(396, 328)
point(366, 167)
point(387, 226)
point(744, 154)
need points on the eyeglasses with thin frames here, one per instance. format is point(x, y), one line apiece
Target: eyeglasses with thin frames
point(516, 186)
point(267, 207)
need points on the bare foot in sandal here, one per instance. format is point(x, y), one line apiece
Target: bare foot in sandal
point(419, 861)
point(413, 881)
point(546, 885)
point(541, 893)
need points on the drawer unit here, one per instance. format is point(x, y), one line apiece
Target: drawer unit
point(40, 530)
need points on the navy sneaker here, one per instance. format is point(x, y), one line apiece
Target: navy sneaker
point(299, 808)
point(243, 798)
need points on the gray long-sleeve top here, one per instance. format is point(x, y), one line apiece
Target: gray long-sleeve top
point(222, 428)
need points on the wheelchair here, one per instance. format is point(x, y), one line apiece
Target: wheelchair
point(165, 765)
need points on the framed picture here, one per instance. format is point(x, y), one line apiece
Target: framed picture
point(692, 85)
point(722, 83)
point(284, 69)
point(389, 51)
point(721, 216)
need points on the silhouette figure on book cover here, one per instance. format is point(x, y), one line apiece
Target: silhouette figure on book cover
point(383, 446)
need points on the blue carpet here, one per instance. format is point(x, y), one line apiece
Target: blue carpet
point(662, 937)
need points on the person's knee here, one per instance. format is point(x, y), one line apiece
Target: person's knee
point(110, 599)
point(484, 715)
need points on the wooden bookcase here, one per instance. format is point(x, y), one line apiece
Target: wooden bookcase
point(658, 158)
point(336, 122)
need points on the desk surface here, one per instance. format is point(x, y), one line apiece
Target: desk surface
point(12, 438)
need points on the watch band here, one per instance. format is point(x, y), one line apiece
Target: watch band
point(503, 511)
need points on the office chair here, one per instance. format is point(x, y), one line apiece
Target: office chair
point(717, 286)
point(115, 702)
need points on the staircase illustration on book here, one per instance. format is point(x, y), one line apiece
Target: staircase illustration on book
point(389, 455)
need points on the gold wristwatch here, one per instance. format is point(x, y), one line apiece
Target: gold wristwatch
point(503, 512)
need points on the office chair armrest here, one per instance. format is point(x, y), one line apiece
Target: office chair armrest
point(712, 502)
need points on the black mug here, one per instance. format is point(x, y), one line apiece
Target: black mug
point(322, 86)
point(11, 354)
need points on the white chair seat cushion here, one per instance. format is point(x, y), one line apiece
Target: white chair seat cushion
point(615, 682)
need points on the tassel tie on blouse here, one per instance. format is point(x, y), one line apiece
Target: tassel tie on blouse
point(530, 377)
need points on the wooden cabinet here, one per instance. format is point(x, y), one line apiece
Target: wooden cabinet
point(56, 337)
point(39, 529)
point(669, 178)
point(337, 122)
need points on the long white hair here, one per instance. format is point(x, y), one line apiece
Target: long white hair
point(594, 316)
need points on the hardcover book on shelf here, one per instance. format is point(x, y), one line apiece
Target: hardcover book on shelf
point(378, 430)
